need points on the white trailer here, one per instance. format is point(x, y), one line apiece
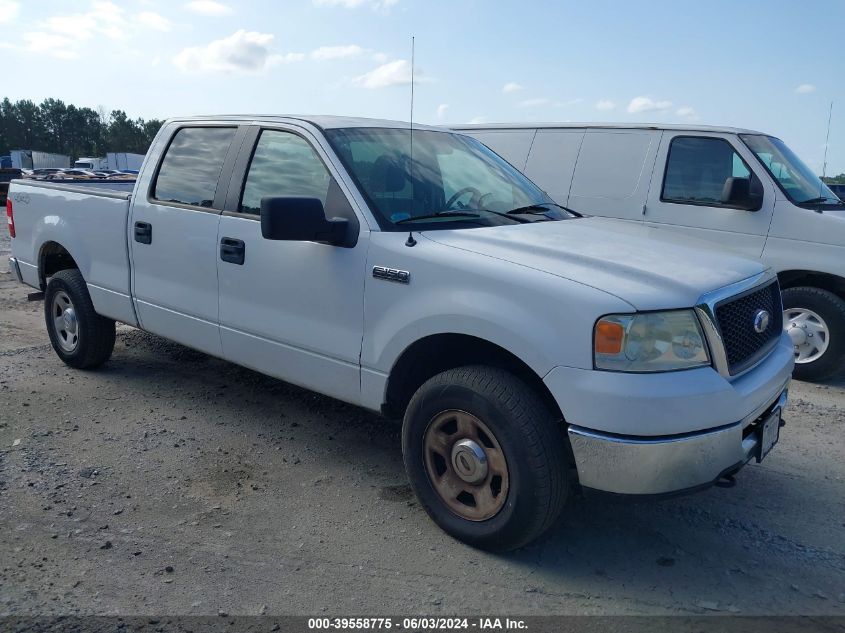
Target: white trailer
point(123, 161)
point(31, 159)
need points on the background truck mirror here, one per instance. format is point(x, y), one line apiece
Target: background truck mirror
point(742, 193)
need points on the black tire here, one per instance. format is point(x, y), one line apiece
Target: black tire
point(531, 438)
point(831, 309)
point(95, 334)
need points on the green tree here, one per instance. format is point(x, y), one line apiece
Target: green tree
point(57, 127)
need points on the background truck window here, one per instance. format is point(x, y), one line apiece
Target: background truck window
point(697, 168)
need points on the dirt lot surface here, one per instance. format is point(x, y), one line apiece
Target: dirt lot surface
point(172, 482)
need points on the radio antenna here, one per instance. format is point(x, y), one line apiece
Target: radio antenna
point(411, 241)
point(826, 141)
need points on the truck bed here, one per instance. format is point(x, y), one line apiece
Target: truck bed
point(90, 223)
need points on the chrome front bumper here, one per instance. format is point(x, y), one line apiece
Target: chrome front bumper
point(661, 465)
point(15, 269)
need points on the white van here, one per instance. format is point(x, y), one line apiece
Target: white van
point(744, 190)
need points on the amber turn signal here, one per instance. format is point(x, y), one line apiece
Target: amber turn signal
point(609, 337)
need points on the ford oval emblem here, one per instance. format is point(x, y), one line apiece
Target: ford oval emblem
point(761, 321)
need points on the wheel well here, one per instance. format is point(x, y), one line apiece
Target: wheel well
point(434, 354)
point(825, 281)
point(53, 258)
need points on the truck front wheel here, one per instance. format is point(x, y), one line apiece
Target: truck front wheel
point(81, 338)
point(485, 457)
point(815, 321)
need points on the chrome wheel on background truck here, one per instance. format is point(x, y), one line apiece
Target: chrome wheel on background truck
point(815, 321)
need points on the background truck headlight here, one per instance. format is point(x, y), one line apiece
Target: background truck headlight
point(651, 341)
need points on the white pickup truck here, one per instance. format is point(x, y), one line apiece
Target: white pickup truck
point(416, 273)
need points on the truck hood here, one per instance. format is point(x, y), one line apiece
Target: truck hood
point(648, 267)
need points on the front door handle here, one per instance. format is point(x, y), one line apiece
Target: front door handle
point(144, 232)
point(232, 250)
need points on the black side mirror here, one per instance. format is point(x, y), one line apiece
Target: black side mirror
point(742, 193)
point(300, 220)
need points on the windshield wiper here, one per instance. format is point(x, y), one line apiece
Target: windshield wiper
point(541, 208)
point(439, 214)
point(820, 200)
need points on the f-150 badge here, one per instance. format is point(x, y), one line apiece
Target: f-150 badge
point(392, 274)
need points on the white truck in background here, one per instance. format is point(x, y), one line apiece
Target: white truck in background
point(418, 274)
point(743, 190)
point(113, 161)
point(91, 163)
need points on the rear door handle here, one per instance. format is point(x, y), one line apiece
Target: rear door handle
point(232, 250)
point(144, 232)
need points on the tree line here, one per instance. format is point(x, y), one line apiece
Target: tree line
point(60, 128)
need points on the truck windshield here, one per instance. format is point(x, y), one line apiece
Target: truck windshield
point(797, 181)
point(445, 180)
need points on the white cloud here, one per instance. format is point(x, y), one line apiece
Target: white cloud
point(337, 52)
point(441, 111)
point(153, 20)
point(104, 18)
point(395, 73)
point(687, 112)
point(477, 120)
point(62, 36)
point(241, 51)
point(647, 104)
point(209, 8)
point(9, 11)
point(605, 105)
point(51, 44)
point(380, 5)
point(804, 89)
point(533, 103)
point(512, 87)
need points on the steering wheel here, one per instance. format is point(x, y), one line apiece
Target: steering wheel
point(462, 192)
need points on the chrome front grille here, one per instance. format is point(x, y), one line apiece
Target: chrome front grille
point(728, 318)
point(735, 318)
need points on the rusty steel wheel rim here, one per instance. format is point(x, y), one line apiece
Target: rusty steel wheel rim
point(466, 465)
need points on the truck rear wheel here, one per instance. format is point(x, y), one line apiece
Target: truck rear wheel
point(81, 338)
point(485, 457)
point(815, 321)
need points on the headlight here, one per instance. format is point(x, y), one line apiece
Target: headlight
point(651, 341)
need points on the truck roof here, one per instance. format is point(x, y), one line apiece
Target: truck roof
point(325, 122)
point(691, 127)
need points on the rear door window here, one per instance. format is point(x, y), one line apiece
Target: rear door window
point(191, 166)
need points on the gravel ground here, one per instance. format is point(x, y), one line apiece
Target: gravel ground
point(172, 482)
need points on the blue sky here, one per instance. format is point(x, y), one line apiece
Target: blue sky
point(764, 64)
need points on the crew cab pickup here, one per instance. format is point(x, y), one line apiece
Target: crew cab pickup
point(414, 272)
